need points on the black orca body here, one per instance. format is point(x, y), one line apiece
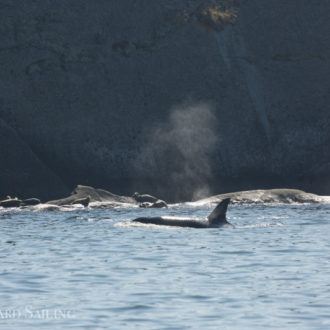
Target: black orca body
point(216, 219)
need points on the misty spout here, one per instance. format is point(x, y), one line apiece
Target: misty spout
point(180, 150)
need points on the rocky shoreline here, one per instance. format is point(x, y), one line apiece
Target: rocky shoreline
point(267, 196)
point(15, 202)
point(85, 196)
point(89, 196)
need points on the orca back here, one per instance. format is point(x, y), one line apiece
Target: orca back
point(218, 215)
point(173, 222)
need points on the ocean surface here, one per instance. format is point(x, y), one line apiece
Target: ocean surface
point(93, 269)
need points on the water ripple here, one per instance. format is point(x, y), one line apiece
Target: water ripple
point(93, 269)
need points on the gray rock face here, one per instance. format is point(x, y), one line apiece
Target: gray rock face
point(177, 98)
point(81, 194)
point(287, 196)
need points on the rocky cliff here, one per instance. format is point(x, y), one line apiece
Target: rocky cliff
point(177, 98)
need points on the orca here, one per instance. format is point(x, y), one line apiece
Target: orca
point(216, 219)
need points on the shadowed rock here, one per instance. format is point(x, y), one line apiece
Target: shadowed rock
point(145, 205)
point(14, 202)
point(30, 201)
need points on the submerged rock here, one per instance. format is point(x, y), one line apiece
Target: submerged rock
point(47, 208)
point(30, 201)
point(266, 196)
point(158, 204)
point(145, 205)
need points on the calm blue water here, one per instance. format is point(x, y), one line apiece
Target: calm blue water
point(90, 269)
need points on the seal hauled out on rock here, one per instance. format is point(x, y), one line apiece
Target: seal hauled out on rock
point(15, 202)
point(83, 201)
point(217, 218)
point(148, 201)
point(144, 198)
point(11, 202)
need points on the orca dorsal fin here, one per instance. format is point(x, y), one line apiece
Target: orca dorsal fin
point(218, 215)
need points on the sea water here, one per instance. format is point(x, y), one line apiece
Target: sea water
point(93, 269)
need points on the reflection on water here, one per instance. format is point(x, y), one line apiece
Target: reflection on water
point(93, 269)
